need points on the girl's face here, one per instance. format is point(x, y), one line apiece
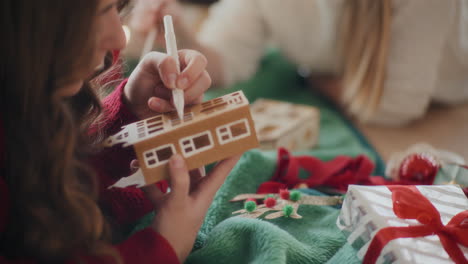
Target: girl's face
point(109, 36)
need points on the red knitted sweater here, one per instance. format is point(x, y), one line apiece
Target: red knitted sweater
point(123, 205)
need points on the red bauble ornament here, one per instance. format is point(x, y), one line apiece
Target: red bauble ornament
point(270, 202)
point(284, 194)
point(418, 169)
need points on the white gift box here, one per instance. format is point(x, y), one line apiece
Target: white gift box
point(282, 124)
point(367, 209)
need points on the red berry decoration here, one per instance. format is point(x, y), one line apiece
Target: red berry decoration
point(251, 200)
point(269, 202)
point(418, 169)
point(284, 194)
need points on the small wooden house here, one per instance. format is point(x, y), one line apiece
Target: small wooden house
point(282, 124)
point(208, 132)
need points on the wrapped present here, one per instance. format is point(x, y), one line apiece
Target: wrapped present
point(406, 224)
point(453, 174)
point(282, 124)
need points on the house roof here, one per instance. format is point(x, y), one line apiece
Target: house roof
point(166, 122)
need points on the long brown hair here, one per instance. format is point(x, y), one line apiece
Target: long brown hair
point(53, 193)
point(364, 47)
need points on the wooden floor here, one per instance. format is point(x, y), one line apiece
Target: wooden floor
point(443, 128)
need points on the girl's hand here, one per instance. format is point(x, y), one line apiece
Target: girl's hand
point(148, 89)
point(181, 212)
point(149, 14)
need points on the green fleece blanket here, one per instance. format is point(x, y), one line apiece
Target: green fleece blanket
point(224, 238)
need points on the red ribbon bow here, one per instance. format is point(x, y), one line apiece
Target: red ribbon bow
point(409, 203)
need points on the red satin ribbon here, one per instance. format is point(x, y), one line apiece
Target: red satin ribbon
point(337, 173)
point(409, 203)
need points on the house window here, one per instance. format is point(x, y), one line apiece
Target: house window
point(188, 116)
point(122, 135)
point(141, 131)
point(213, 105)
point(196, 143)
point(175, 121)
point(155, 119)
point(154, 130)
point(236, 99)
point(233, 131)
point(158, 156)
point(153, 125)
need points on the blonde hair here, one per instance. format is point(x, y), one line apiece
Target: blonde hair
point(365, 41)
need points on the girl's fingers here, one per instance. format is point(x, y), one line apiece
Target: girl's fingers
point(134, 165)
point(195, 80)
point(146, 14)
point(195, 176)
point(198, 100)
point(193, 95)
point(159, 105)
point(154, 194)
point(179, 177)
point(209, 185)
point(193, 64)
point(159, 66)
point(202, 171)
point(167, 69)
point(197, 88)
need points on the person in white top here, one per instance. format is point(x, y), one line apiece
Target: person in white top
point(392, 57)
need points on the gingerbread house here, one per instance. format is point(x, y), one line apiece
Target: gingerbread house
point(208, 132)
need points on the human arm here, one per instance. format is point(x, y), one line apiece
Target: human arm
point(418, 31)
point(182, 211)
point(233, 37)
point(170, 237)
point(148, 245)
point(131, 101)
point(124, 205)
point(451, 87)
point(146, 93)
point(145, 246)
point(329, 85)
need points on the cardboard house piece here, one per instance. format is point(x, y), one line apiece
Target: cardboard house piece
point(282, 124)
point(209, 132)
